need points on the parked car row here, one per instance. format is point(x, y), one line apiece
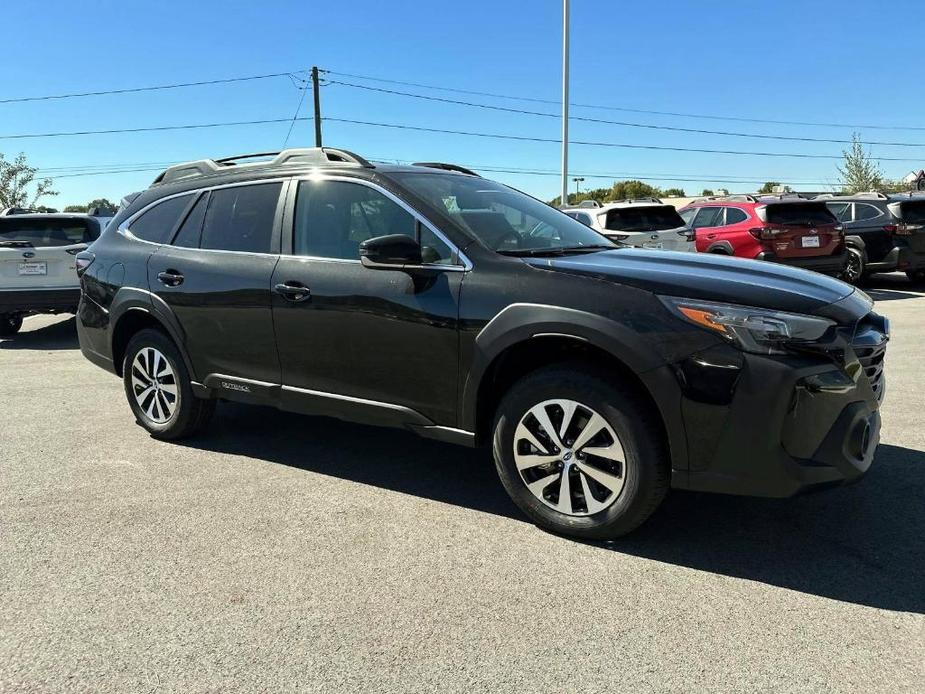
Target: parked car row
point(846, 236)
point(429, 298)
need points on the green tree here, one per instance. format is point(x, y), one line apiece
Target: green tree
point(18, 186)
point(674, 193)
point(633, 189)
point(858, 171)
point(707, 191)
point(99, 202)
point(768, 187)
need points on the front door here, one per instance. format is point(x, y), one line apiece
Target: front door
point(215, 278)
point(357, 340)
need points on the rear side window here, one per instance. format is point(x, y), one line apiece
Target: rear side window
point(864, 211)
point(240, 218)
point(48, 232)
point(799, 213)
point(688, 214)
point(643, 218)
point(157, 224)
point(191, 229)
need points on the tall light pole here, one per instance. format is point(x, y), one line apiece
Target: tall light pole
point(565, 32)
point(578, 180)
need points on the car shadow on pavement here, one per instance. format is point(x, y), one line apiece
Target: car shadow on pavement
point(60, 335)
point(891, 287)
point(859, 544)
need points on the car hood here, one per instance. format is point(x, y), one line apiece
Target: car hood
point(712, 278)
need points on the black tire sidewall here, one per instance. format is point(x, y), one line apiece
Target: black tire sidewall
point(10, 324)
point(632, 420)
point(185, 411)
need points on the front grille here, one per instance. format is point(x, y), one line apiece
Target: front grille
point(869, 345)
point(871, 359)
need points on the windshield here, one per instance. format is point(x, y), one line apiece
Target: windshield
point(47, 232)
point(503, 219)
point(644, 218)
point(800, 213)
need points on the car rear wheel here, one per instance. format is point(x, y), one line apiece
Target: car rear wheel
point(579, 454)
point(157, 386)
point(854, 266)
point(10, 324)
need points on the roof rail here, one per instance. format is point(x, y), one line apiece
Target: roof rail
point(304, 156)
point(728, 198)
point(642, 199)
point(446, 167)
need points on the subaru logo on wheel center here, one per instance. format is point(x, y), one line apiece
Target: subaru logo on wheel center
point(568, 456)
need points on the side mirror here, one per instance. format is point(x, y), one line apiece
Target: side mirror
point(392, 252)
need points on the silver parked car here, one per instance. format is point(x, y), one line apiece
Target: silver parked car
point(640, 222)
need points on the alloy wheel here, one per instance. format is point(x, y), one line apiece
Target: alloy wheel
point(854, 267)
point(569, 457)
point(154, 385)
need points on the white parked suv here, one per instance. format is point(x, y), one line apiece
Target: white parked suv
point(640, 222)
point(37, 256)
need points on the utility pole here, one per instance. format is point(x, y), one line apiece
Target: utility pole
point(317, 94)
point(565, 32)
point(578, 181)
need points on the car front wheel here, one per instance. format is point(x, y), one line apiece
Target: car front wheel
point(158, 388)
point(10, 324)
point(579, 454)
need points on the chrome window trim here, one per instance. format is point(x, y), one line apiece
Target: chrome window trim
point(465, 264)
point(125, 227)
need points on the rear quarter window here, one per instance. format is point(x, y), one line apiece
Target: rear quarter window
point(48, 232)
point(157, 224)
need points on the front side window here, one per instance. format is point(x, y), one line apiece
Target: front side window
point(47, 232)
point(240, 218)
point(333, 218)
point(501, 218)
point(157, 224)
point(841, 210)
point(709, 217)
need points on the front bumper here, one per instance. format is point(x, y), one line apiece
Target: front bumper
point(39, 300)
point(778, 426)
point(826, 264)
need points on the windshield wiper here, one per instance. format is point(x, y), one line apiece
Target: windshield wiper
point(16, 244)
point(560, 250)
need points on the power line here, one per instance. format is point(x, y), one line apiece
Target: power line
point(188, 126)
point(132, 90)
point(628, 124)
point(675, 114)
point(525, 138)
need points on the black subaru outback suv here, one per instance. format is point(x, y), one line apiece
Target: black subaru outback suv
point(429, 298)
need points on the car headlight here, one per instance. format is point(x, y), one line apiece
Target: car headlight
point(757, 330)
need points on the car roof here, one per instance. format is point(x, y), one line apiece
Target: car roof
point(54, 215)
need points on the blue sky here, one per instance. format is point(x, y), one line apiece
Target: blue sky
point(816, 62)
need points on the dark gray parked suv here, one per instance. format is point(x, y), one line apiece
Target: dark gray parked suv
point(429, 298)
point(883, 233)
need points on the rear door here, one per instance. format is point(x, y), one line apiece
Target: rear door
point(708, 224)
point(801, 229)
point(214, 276)
point(871, 224)
point(38, 252)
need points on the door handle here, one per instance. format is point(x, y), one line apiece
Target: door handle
point(170, 278)
point(293, 291)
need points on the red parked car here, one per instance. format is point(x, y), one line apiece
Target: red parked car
point(789, 230)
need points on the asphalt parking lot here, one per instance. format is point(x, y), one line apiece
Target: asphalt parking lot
point(282, 553)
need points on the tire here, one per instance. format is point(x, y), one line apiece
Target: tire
point(163, 404)
point(631, 488)
point(916, 276)
point(10, 324)
point(855, 266)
